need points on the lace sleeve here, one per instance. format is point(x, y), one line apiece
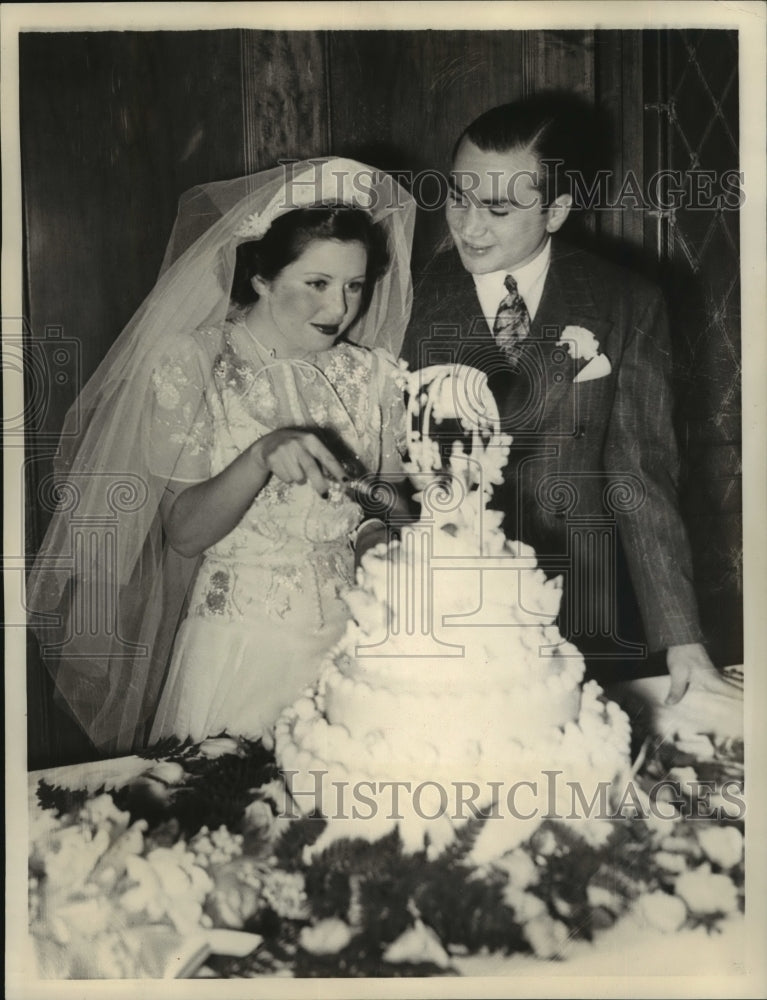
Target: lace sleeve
point(181, 425)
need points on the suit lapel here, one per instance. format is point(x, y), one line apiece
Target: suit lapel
point(568, 297)
point(471, 318)
point(546, 370)
point(567, 300)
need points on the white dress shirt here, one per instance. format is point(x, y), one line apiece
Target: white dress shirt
point(530, 279)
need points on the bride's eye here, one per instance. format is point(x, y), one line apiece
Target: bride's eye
point(319, 283)
point(356, 287)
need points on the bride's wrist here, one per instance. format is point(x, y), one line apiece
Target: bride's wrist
point(370, 528)
point(256, 455)
point(369, 525)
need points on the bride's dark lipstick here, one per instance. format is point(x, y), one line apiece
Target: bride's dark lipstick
point(326, 329)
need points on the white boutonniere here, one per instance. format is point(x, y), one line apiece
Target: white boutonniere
point(582, 344)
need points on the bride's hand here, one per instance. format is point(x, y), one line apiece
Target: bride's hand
point(690, 667)
point(298, 456)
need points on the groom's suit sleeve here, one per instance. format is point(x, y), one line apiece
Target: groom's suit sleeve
point(640, 440)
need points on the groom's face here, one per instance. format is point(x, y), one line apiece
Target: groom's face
point(496, 213)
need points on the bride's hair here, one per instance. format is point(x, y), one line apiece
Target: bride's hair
point(289, 236)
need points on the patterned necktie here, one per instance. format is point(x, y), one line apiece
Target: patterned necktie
point(512, 321)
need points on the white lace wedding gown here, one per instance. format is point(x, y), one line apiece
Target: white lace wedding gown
point(265, 606)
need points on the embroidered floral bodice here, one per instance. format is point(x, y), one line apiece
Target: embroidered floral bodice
point(291, 550)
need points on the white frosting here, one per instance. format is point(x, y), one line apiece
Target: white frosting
point(450, 671)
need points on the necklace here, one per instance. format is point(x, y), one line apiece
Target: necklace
point(269, 352)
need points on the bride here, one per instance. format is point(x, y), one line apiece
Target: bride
point(212, 471)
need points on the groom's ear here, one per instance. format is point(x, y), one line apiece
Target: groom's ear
point(557, 212)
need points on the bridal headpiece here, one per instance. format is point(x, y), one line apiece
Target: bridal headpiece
point(332, 182)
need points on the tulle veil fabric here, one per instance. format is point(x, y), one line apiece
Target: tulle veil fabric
point(106, 593)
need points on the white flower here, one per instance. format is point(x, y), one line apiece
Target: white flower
point(599, 895)
point(255, 225)
point(417, 944)
point(521, 868)
point(681, 843)
point(101, 811)
point(73, 857)
point(144, 893)
point(664, 912)
point(217, 746)
point(721, 844)
point(544, 843)
point(215, 848)
point(686, 778)
point(285, 893)
point(697, 745)
point(42, 824)
point(111, 865)
point(705, 893)
point(167, 771)
point(167, 883)
point(237, 893)
point(547, 937)
point(525, 905)
point(675, 863)
point(326, 937)
point(580, 342)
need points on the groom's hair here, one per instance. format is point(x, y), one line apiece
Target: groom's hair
point(561, 130)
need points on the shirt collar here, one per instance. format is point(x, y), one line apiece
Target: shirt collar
point(491, 286)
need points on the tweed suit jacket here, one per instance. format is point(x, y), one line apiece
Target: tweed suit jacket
point(591, 482)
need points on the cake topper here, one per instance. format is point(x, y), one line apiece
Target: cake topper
point(456, 450)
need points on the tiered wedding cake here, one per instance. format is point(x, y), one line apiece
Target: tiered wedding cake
point(452, 690)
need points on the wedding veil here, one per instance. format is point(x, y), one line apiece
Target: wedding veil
point(106, 594)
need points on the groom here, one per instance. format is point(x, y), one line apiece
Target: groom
point(577, 353)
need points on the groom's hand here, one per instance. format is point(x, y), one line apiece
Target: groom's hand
point(689, 666)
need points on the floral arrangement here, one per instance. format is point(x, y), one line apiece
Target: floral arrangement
point(193, 869)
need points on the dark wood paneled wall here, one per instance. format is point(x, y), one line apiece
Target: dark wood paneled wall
point(116, 125)
point(400, 100)
point(692, 128)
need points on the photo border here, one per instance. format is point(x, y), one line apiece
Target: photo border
point(749, 18)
